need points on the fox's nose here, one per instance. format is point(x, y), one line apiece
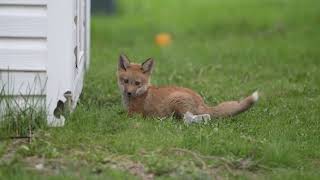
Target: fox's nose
point(129, 94)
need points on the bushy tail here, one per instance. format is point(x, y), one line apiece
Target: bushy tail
point(231, 108)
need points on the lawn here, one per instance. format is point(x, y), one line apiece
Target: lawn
point(224, 50)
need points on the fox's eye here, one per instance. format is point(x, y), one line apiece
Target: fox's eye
point(137, 83)
point(126, 81)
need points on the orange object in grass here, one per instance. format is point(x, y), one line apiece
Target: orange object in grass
point(163, 39)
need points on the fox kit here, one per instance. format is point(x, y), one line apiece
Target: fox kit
point(139, 96)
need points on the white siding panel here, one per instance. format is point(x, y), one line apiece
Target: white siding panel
point(23, 83)
point(18, 10)
point(24, 2)
point(23, 43)
point(23, 54)
point(25, 60)
point(23, 26)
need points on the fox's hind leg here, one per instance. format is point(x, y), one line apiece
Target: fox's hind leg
point(181, 103)
point(180, 108)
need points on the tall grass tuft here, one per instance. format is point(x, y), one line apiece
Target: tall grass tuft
point(21, 115)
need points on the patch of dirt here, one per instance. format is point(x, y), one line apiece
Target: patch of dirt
point(315, 162)
point(241, 167)
point(11, 150)
point(134, 168)
point(34, 163)
point(49, 167)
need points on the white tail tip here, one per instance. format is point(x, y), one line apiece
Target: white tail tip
point(255, 96)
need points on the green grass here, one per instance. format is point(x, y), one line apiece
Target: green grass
point(222, 49)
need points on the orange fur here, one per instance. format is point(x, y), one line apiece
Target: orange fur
point(139, 96)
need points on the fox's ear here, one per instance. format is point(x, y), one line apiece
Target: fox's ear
point(147, 66)
point(124, 63)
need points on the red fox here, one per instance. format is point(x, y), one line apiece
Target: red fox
point(139, 96)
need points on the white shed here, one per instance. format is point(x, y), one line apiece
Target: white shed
point(44, 51)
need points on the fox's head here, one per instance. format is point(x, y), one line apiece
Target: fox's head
point(133, 79)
